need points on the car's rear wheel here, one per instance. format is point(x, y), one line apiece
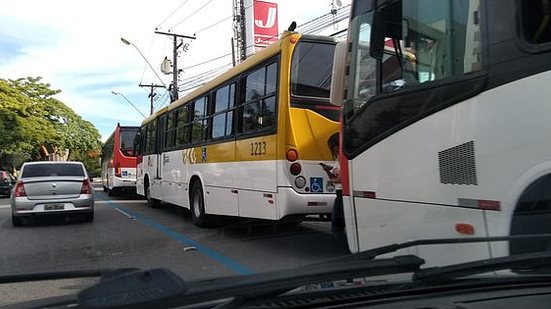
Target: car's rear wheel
point(16, 221)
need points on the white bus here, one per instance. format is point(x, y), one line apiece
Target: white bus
point(454, 139)
point(250, 142)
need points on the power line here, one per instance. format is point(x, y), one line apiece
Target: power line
point(181, 5)
point(161, 100)
point(148, 54)
point(190, 15)
point(207, 61)
point(212, 25)
point(206, 75)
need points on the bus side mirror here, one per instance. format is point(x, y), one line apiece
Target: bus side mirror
point(377, 39)
point(339, 74)
point(387, 23)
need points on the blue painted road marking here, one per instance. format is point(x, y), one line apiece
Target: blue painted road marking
point(213, 254)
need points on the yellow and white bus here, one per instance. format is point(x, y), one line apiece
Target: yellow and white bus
point(250, 142)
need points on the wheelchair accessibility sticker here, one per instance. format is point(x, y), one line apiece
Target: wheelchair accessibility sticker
point(316, 184)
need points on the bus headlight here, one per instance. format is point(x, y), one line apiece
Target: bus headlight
point(300, 182)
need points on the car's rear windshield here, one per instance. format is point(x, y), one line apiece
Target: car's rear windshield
point(48, 169)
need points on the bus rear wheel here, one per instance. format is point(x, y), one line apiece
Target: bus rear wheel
point(198, 215)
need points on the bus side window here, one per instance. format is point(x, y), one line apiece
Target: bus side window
point(182, 126)
point(258, 110)
point(200, 119)
point(150, 143)
point(536, 27)
point(170, 136)
point(224, 105)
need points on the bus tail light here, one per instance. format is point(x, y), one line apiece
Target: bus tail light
point(295, 169)
point(300, 182)
point(118, 169)
point(292, 155)
point(20, 190)
point(86, 187)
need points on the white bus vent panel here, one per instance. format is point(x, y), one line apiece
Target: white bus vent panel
point(457, 165)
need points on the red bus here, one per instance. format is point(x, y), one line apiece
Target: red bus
point(118, 162)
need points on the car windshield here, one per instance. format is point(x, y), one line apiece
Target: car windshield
point(329, 141)
point(47, 170)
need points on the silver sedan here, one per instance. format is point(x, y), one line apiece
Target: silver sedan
point(52, 188)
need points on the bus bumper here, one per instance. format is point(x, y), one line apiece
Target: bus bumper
point(291, 203)
point(129, 183)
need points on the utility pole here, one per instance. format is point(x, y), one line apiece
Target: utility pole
point(152, 94)
point(239, 29)
point(175, 60)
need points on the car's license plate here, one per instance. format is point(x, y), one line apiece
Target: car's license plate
point(54, 207)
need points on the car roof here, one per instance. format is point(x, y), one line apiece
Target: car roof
point(52, 162)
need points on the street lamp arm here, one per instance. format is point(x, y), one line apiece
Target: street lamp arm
point(144, 58)
point(124, 97)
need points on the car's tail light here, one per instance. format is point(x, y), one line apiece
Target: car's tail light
point(86, 187)
point(19, 190)
point(118, 169)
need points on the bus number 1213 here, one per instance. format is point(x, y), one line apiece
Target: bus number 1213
point(258, 148)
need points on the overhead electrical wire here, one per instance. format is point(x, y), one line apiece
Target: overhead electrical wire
point(190, 15)
point(173, 12)
point(212, 25)
point(220, 21)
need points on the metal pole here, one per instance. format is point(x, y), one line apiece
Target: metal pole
point(233, 51)
point(151, 94)
point(175, 71)
point(175, 60)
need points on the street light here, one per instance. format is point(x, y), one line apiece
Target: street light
point(122, 95)
point(125, 41)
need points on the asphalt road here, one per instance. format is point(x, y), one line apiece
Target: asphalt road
point(126, 233)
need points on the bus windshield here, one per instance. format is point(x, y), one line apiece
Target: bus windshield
point(127, 140)
point(311, 69)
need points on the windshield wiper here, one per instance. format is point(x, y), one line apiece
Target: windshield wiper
point(524, 261)
point(104, 273)
point(162, 288)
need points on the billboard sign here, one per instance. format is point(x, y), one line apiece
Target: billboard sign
point(265, 23)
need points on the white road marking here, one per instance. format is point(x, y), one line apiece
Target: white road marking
point(4, 206)
point(124, 213)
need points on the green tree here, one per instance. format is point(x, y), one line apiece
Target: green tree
point(31, 116)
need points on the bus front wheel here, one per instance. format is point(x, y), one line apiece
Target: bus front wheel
point(198, 214)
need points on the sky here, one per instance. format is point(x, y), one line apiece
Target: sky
point(76, 47)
